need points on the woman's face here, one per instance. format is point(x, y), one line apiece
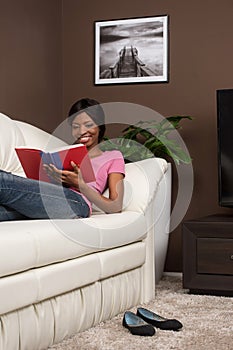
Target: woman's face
point(85, 130)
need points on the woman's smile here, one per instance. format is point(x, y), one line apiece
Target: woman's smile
point(84, 139)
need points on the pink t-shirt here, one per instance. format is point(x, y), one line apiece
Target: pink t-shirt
point(108, 162)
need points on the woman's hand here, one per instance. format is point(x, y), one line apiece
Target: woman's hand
point(65, 177)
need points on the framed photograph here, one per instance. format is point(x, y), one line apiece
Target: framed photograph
point(131, 50)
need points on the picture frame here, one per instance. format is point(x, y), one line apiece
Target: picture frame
point(132, 50)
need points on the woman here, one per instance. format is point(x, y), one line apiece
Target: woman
point(70, 196)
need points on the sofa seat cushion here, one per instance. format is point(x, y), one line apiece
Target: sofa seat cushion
point(35, 285)
point(29, 244)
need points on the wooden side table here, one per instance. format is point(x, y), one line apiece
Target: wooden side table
point(208, 255)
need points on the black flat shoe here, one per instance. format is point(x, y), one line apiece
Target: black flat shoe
point(159, 321)
point(136, 325)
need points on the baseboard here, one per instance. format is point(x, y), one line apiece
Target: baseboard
point(173, 274)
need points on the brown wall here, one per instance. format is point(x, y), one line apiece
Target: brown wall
point(30, 61)
point(40, 78)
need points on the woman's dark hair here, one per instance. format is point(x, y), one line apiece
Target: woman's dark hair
point(93, 109)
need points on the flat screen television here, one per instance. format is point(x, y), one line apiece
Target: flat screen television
point(225, 147)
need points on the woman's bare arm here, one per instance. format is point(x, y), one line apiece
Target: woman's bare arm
point(113, 204)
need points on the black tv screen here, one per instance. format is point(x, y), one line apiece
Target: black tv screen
point(225, 146)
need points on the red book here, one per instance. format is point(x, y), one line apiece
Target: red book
point(32, 161)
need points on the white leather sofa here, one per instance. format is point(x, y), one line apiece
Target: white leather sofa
point(59, 277)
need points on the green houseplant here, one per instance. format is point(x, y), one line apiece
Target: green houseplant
point(147, 139)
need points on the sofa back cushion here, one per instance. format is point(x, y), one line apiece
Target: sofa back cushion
point(141, 181)
point(16, 133)
point(11, 136)
point(38, 138)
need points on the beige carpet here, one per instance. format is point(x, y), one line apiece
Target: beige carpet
point(207, 324)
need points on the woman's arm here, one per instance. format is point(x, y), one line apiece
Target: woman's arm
point(112, 204)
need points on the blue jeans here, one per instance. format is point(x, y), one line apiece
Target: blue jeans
point(22, 198)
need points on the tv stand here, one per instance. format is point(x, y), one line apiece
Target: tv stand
point(208, 255)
